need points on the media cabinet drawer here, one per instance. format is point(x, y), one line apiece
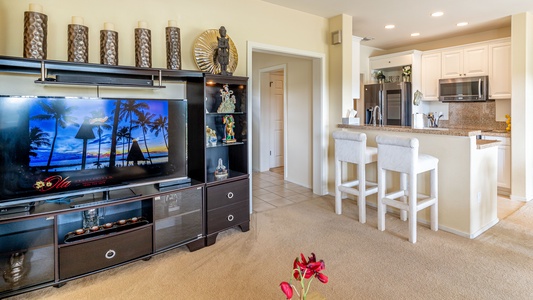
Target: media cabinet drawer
point(91, 256)
point(228, 193)
point(228, 216)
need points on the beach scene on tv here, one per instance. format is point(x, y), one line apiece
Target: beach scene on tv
point(57, 144)
point(72, 134)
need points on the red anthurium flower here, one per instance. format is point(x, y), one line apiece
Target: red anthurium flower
point(323, 278)
point(306, 268)
point(286, 288)
point(304, 261)
point(316, 266)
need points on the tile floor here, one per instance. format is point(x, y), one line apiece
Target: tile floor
point(270, 191)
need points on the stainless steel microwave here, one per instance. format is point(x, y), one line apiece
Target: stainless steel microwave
point(464, 89)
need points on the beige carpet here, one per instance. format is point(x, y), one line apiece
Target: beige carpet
point(361, 262)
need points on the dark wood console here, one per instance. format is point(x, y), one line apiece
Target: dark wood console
point(52, 243)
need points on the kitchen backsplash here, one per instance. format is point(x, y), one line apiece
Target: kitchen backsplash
point(475, 115)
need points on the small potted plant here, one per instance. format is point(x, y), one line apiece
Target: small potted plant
point(379, 76)
point(406, 72)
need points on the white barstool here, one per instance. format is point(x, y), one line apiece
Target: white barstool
point(401, 155)
point(350, 147)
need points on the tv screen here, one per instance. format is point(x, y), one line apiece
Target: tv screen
point(55, 145)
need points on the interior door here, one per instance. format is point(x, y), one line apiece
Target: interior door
point(276, 120)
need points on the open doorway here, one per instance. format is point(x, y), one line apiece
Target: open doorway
point(304, 114)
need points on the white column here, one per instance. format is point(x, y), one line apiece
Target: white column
point(522, 107)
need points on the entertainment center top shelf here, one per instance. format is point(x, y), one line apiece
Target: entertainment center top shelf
point(71, 73)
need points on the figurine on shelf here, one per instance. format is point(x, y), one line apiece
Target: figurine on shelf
point(223, 51)
point(228, 100)
point(229, 134)
point(221, 172)
point(211, 136)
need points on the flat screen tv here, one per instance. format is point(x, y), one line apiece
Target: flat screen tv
point(55, 145)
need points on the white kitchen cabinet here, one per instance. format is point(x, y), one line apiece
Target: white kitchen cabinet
point(500, 86)
point(431, 72)
point(465, 61)
point(391, 60)
point(504, 162)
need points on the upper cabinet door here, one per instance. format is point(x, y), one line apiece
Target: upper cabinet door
point(452, 63)
point(431, 70)
point(500, 71)
point(467, 61)
point(476, 62)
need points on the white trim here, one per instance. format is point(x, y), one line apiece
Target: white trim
point(518, 198)
point(320, 108)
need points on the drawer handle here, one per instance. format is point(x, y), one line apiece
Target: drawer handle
point(110, 254)
point(230, 218)
point(230, 195)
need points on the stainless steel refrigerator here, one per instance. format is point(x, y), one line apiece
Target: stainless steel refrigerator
point(393, 100)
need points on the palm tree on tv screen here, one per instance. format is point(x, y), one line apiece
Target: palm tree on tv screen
point(130, 108)
point(160, 125)
point(58, 111)
point(38, 138)
point(99, 119)
point(144, 121)
point(123, 135)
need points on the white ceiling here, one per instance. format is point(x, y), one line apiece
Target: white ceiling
point(409, 16)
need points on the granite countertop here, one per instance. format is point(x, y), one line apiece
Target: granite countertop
point(439, 131)
point(499, 133)
point(480, 143)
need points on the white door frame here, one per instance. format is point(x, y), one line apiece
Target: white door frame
point(263, 163)
point(320, 108)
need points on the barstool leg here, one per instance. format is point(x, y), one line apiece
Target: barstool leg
point(435, 194)
point(361, 198)
point(412, 207)
point(382, 208)
point(338, 193)
point(403, 187)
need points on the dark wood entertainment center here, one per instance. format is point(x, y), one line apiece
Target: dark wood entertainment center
point(39, 243)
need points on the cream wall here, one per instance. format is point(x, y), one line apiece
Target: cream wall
point(340, 84)
point(244, 20)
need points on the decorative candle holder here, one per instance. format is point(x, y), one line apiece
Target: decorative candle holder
point(78, 43)
point(143, 48)
point(173, 48)
point(35, 31)
point(109, 47)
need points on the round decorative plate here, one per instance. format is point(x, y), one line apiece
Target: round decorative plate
point(205, 48)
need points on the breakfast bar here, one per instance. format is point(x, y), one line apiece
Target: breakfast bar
point(467, 181)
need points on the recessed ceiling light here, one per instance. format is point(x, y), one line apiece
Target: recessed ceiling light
point(390, 26)
point(415, 34)
point(462, 24)
point(437, 14)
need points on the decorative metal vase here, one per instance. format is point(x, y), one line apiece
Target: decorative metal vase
point(109, 47)
point(173, 48)
point(35, 31)
point(78, 43)
point(16, 270)
point(143, 48)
